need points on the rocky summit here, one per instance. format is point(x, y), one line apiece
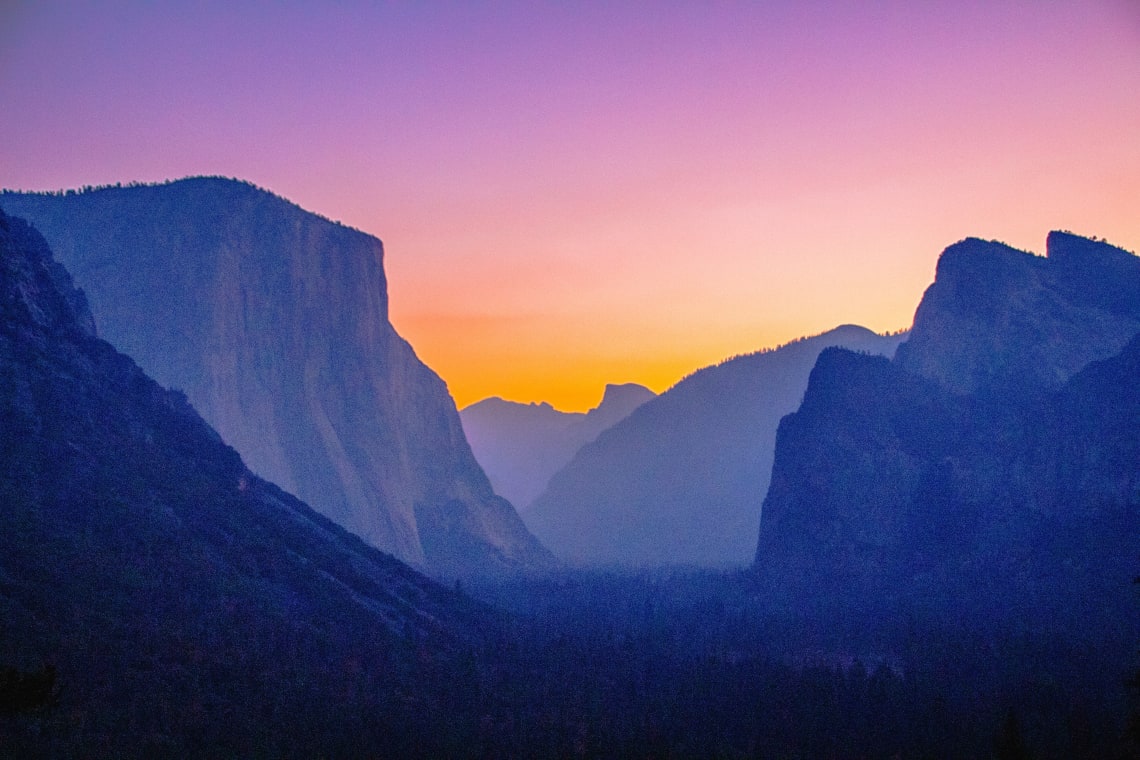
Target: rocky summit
point(995, 315)
point(992, 469)
point(274, 323)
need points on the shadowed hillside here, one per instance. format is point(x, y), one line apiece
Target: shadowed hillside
point(159, 600)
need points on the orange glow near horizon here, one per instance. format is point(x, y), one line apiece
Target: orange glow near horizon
point(571, 196)
point(535, 323)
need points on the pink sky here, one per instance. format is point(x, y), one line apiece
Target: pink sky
point(575, 194)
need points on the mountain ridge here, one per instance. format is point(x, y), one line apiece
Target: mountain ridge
point(520, 446)
point(988, 295)
point(680, 480)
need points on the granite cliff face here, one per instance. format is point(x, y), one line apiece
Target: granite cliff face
point(993, 467)
point(183, 605)
point(274, 322)
point(996, 315)
point(520, 446)
point(681, 479)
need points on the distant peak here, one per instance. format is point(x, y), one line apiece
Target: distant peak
point(621, 393)
point(489, 401)
point(637, 388)
point(848, 329)
point(497, 404)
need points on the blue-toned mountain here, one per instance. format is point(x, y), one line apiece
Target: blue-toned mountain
point(274, 322)
point(993, 467)
point(681, 479)
point(995, 315)
point(520, 446)
point(158, 598)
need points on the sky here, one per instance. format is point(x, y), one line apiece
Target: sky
point(571, 194)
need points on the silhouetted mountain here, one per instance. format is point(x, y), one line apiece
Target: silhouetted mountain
point(274, 322)
point(520, 446)
point(184, 606)
point(993, 468)
point(681, 479)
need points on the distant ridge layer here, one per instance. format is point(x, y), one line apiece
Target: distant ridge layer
point(681, 479)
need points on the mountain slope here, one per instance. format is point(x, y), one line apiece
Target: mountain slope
point(992, 468)
point(274, 322)
point(520, 446)
point(183, 605)
point(681, 479)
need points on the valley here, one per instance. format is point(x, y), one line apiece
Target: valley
point(942, 563)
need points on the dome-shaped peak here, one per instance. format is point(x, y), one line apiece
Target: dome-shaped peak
point(616, 390)
point(627, 396)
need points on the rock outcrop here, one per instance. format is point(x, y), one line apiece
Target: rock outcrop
point(992, 468)
point(520, 446)
point(681, 479)
point(274, 322)
point(996, 315)
point(165, 599)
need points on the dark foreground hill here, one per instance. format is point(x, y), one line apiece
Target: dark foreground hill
point(681, 479)
point(991, 471)
point(520, 446)
point(274, 322)
point(158, 599)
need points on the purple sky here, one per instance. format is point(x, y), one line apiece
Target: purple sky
point(571, 194)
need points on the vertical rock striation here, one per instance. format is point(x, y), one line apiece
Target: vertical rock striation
point(274, 322)
point(187, 606)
